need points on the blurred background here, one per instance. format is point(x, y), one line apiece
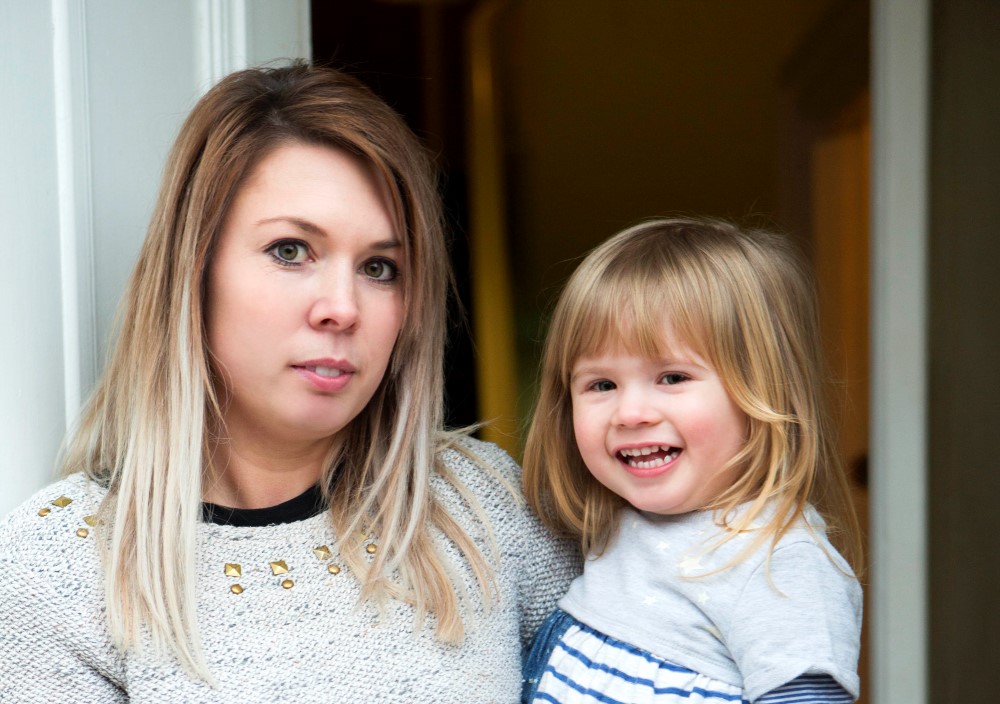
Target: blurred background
point(865, 130)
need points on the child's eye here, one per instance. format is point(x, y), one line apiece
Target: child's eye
point(288, 252)
point(601, 385)
point(379, 269)
point(672, 378)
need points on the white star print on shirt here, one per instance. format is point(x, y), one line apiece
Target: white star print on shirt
point(690, 564)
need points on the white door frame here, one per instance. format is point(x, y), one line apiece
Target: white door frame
point(98, 94)
point(898, 478)
point(192, 43)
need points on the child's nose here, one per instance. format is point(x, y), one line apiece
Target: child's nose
point(635, 408)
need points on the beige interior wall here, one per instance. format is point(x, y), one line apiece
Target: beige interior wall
point(618, 115)
point(840, 206)
point(612, 116)
point(840, 210)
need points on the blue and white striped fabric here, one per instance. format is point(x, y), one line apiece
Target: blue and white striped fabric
point(588, 667)
point(808, 689)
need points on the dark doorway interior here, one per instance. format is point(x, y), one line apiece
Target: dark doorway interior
point(411, 55)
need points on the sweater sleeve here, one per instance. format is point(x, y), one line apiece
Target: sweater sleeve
point(54, 642)
point(46, 645)
point(544, 563)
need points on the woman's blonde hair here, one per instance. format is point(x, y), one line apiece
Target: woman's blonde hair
point(743, 301)
point(147, 430)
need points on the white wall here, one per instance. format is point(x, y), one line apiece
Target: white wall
point(31, 392)
point(94, 92)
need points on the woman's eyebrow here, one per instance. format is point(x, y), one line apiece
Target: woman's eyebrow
point(314, 229)
point(304, 225)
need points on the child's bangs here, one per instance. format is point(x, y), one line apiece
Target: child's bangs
point(629, 317)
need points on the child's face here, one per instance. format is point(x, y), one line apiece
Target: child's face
point(656, 432)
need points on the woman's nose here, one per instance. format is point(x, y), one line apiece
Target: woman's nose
point(336, 304)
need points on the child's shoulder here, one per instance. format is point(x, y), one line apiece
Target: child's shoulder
point(801, 556)
point(751, 547)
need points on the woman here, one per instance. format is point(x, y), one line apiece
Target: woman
point(260, 501)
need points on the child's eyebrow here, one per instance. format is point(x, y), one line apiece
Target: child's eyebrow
point(684, 361)
point(584, 371)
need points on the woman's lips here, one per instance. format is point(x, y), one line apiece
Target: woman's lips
point(326, 374)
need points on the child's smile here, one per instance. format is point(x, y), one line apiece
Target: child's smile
point(657, 432)
point(648, 460)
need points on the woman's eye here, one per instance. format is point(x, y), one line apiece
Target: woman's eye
point(290, 252)
point(602, 385)
point(380, 270)
point(673, 378)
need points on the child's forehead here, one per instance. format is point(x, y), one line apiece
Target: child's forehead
point(662, 345)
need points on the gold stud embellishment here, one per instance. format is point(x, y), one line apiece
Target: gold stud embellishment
point(287, 583)
point(62, 502)
point(82, 532)
point(44, 511)
point(279, 567)
point(333, 569)
point(233, 570)
point(236, 589)
point(371, 548)
point(322, 553)
point(90, 520)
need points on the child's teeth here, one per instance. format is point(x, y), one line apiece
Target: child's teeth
point(327, 371)
point(633, 455)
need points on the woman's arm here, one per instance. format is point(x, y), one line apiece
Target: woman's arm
point(54, 642)
point(51, 649)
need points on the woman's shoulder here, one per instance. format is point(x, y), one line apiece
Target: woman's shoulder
point(474, 461)
point(58, 520)
point(62, 502)
point(52, 593)
point(473, 472)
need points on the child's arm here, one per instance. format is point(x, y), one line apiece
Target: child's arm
point(812, 627)
point(815, 689)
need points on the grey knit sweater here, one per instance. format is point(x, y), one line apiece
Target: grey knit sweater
point(279, 620)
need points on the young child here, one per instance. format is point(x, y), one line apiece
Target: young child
point(680, 432)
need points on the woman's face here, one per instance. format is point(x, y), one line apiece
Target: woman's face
point(304, 299)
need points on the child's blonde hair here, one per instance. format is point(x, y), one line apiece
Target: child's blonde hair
point(742, 300)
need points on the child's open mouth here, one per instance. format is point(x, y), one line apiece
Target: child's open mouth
point(649, 457)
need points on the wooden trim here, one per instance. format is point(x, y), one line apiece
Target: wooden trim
point(492, 304)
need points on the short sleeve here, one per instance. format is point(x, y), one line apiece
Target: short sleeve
point(803, 616)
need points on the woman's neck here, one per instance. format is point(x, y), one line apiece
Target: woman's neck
point(247, 474)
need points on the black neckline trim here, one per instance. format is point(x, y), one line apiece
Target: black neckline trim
point(306, 505)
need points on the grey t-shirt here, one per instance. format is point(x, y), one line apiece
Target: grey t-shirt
point(749, 625)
